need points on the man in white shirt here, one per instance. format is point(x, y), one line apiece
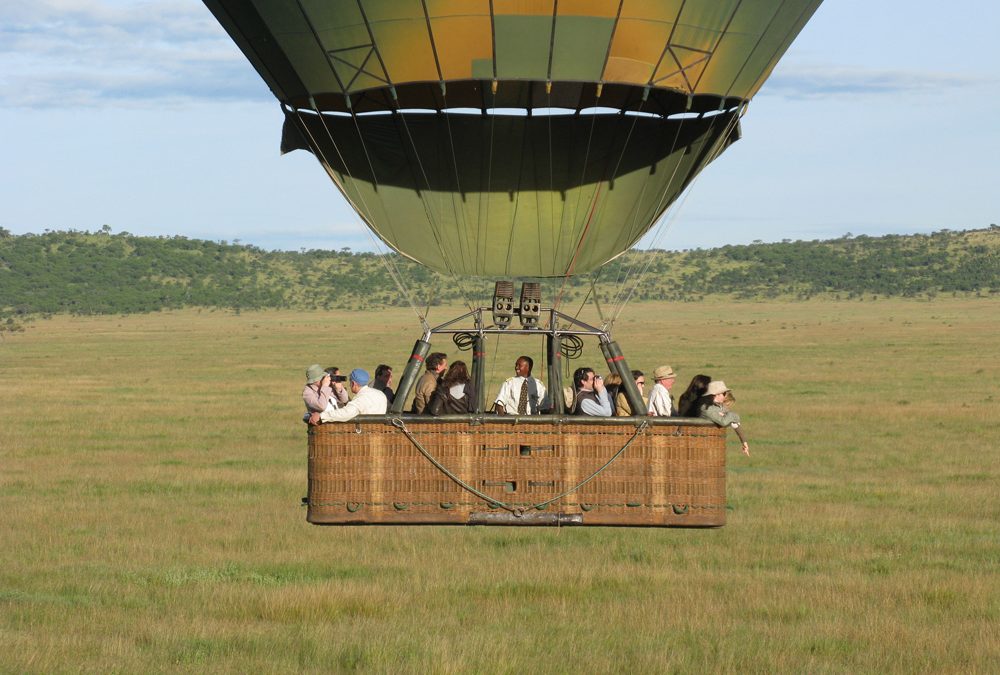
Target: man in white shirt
point(660, 403)
point(521, 394)
point(366, 401)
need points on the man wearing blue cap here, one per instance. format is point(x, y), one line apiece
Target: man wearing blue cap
point(366, 401)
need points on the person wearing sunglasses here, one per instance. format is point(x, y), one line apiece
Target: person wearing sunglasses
point(622, 408)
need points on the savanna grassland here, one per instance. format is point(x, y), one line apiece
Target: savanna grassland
point(151, 469)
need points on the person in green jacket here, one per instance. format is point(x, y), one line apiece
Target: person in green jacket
point(713, 407)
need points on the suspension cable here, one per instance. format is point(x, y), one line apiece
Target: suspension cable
point(463, 237)
point(388, 262)
point(433, 220)
point(367, 215)
point(666, 222)
point(659, 204)
point(722, 141)
point(579, 196)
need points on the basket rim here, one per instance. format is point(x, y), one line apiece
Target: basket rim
point(520, 420)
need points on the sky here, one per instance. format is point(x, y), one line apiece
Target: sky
point(880, 119)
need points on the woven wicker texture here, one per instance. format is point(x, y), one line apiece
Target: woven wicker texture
point(371, 472)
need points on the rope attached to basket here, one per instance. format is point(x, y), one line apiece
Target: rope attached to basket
point(642, 427)
point(515, 510)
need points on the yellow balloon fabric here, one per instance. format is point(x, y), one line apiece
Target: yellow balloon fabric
point(515, 138)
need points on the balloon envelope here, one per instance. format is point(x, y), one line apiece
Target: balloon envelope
point(512, 137)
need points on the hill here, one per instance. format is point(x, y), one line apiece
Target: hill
point(104, 273)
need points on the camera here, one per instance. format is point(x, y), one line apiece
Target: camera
point(338, 378)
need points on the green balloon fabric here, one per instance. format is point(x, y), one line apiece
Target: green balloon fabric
point(525, 138)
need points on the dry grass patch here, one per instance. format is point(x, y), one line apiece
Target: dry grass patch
point(151, 469)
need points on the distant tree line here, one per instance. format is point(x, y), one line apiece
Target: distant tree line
point(103, 273)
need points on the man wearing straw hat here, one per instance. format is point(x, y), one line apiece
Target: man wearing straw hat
point(660, 402)
point(366, 401)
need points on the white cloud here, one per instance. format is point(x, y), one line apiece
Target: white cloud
point(831, 81)
point(91, 53)
point(60, 53)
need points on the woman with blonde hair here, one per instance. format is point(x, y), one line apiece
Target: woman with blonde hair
point(622, 407)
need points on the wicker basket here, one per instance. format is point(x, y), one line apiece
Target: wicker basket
point(393, 470)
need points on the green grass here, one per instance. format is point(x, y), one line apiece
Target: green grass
point(151, 469)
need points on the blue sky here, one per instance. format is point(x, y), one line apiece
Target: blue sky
point(881, 118)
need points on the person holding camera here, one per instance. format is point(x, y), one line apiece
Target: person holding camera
point(337, 384)
point(323, 389)
point(591, 396)
point(366, 401)
point(317, 392)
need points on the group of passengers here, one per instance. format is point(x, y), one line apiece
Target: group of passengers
point(444, 390)
point(327, 400)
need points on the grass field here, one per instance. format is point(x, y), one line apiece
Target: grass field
point(151, 469)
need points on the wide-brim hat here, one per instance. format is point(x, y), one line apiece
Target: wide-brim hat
point(663, 373)
point(314, 373)
point(716, 387)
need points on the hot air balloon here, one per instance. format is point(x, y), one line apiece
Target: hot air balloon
point(514, 138)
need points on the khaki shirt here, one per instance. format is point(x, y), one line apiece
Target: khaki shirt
point(425, 389)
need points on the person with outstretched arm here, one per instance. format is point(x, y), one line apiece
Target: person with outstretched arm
point(713, 407)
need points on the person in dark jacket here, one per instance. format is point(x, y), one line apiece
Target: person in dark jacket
point(455, 394)
point(687, 405)
point(383, 380)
